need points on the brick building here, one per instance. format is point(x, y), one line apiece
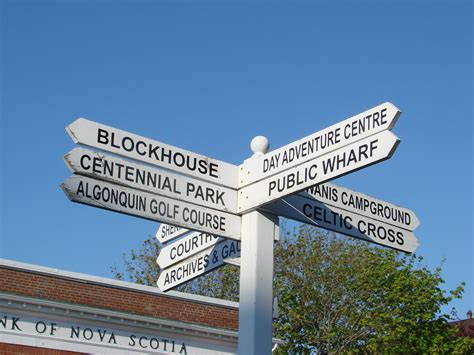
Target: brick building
point(465, 326)
point(42, 309)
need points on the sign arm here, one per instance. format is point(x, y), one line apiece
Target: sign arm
point(298, 212)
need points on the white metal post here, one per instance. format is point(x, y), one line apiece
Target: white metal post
point(256, 280)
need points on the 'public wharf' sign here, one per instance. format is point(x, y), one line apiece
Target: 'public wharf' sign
point(340, 162)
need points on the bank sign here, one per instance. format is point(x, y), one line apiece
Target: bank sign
point(100, 338)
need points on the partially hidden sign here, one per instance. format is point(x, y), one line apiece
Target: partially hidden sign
point(167, 232)
point(359, 203)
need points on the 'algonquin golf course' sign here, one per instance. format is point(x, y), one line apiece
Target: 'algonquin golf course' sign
point(212, 210)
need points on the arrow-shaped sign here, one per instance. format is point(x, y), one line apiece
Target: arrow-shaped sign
point(149, 206)
point(198, 265)
point(190, 244)
point(336, 196)
point(167, 232)
point(350, 158)
point(351, 130)
point(310, 211)
point(158, 181)
point(133, 146)
point(186, 247)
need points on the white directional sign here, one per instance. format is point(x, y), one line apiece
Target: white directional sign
point(337, 196)
point(158, 181)
point(149, 206)
point(133, 146)
point(167, 232)
point(341, 221)
point(186, 247)
point(190, 244)
point(347, 159)
point(353, 129)
point(198, 264)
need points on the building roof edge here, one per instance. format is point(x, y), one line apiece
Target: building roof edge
point(84, 278)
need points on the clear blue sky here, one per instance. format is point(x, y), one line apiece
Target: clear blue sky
point(208, 77)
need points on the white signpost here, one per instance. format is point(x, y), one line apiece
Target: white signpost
point(211, 205)
point(347, 159)
point(199, 264)
point(158, 181)
point(149, 206)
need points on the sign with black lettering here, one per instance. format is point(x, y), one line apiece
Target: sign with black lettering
point(95, 337)
point(185, 247)
point(167, 232)
point(133, 146)
point(158, 181)
point(363, 153)
point(310, 211)
point(198, 265)
point(353, 129)
point(149, 206)
point(356, 202)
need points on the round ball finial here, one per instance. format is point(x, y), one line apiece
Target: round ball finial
point(260, 145)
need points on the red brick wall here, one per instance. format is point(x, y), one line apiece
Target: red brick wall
point(55, 288)
point(12, 349)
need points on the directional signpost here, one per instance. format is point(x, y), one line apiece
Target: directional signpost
point(211, 211)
